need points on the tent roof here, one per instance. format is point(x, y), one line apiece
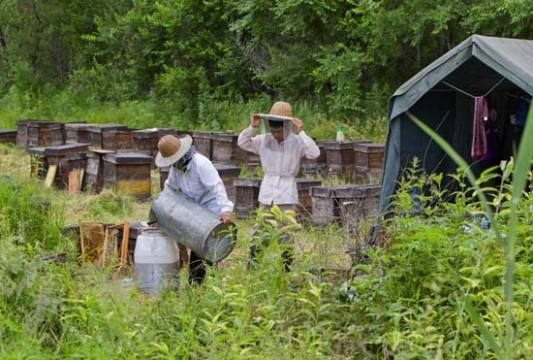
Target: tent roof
point(511, 58)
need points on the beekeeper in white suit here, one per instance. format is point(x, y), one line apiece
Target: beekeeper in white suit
point(281, 147)
point(195, 176)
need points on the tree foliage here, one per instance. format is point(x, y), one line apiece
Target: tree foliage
point(344, 55)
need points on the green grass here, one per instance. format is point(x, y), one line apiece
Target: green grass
point(213, 114)
point(409, 299)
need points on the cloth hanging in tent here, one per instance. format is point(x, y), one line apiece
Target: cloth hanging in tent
point(479, 137)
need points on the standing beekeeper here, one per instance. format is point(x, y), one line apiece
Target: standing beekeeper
point(195, 176)
point(281, 146)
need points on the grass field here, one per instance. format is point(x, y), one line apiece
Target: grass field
point(406, 300)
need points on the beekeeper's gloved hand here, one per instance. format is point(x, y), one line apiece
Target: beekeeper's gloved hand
point(225, 217)
point(256, 120)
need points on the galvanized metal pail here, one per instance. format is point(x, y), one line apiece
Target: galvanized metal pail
point(193, 226)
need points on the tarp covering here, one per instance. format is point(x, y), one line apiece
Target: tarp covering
point(477, 65)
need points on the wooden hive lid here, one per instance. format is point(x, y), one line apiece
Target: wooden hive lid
point(32, 121)
point(308, 182)
point(321, 191)
point(337, 145)
point(145, 133)
point(227, 137)
point(66, 149)
point(7, 132)
point(45, 124)
point(224, 169)
point(356, 191)
point(369, 147)
point(76, 126)
point(247, 182)
point(202, 134)
point(38, 151)
point(128, 158)
point(98, 128)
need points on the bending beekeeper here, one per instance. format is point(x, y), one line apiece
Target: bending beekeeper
point(195, 176)
point(281, 146)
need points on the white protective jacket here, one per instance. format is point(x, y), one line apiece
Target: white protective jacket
point(202, 184)
point(280, 162)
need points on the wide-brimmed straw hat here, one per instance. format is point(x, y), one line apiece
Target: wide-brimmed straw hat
point(171, 149)
point(279, 113)
point(281, 108)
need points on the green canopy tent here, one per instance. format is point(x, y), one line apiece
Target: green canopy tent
point(442, 96)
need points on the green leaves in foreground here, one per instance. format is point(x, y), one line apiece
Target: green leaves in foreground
point(521, 170)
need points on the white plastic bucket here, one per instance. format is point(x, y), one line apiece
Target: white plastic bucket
point(156, 261)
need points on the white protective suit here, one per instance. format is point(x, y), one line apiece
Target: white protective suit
point(280, 162)
point(202, 184)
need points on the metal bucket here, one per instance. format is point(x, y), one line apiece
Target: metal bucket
point(156, 261)
point(193, 226)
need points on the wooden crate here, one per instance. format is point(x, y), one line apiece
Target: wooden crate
point(8, 136)
point(76, 133)
point(324, 210)
point(22, 133)
point(315, 167)
point(348, 204)
point(163, 176)
point(246, 196)
point(67, 158)
point(202, 143)
point(339, 158)
point(228, 174)
point(369, 162)
point(117, 140)
point(96, 133)
point(180, 133)
point(304, 186)
point(129, 173)
point(359, 206)
point(145, 141)
point(94, 170)
point(45, 133)
point(224, 148)
point(38, 164)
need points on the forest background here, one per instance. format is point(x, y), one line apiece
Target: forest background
point(209, 64)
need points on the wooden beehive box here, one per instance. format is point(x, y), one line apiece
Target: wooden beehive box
point(22, 133)
point(357, 205)
point(246, 196)
point(38, 164)
point(228, 174)
point(76, 133)
point(67, 157)
point(369, 161)
point(145, 141)
point(8, 136)
point(45, 133)
point(224, 148)
point(117, 140)
point(179, 133)
point(346, 203)
point(339, 158)
point(324, 210)
point(129, 173)
point(96, 133)
point(315, 167)
point(94, 170)
point(202, 143)
point(304, 186)
point(163, 176)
